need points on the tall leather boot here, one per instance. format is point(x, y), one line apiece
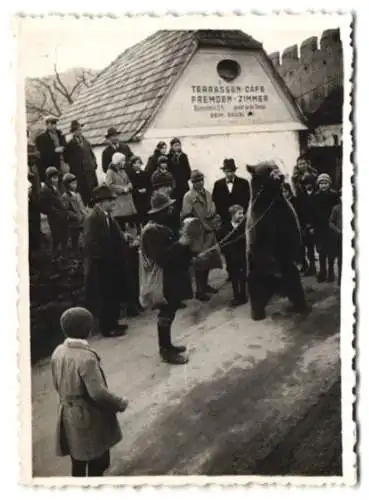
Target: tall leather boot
point(200, 278)
point(169, 354)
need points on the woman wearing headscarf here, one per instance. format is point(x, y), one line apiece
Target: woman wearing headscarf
point(120, 184)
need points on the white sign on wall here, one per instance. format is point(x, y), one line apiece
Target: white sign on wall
point(202, 98)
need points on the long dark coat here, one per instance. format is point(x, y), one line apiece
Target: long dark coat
point(141, 190)
point(179, 167)
point(87, 425)
point(152, 163)
point(223, 199)
point(82, 162)
point(160, 244)
point(324, 202)
point(106, 260)
point(108, 152)
point(46, 148)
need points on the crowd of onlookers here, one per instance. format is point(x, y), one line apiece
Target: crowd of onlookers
point(63, 182)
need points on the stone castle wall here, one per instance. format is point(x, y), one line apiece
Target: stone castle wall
point(312, 70)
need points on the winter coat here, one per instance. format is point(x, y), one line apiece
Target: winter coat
point(46, 147)
point(76, 209)
point(324, 202)
point(160, 245)
point(82, 162)
point(162, 178)
point(152, 163)
point(203, 208)
point(51, 204)
point(108, 152)
point(87, 425)
point(118, 181)
point(305, 208)
point(223, 199)
point(179, 167)
point(233, 244)
point(106, 260)
point(141, 190)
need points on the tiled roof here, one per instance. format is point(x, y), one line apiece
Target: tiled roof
point(127, 93)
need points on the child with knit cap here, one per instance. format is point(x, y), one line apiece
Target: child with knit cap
point(325, 200)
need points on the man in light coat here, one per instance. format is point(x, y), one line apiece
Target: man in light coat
point(87, 425)
point(197, 202)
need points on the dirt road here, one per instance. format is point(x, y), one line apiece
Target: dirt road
point(256, 398)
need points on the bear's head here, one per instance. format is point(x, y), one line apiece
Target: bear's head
point(266, 176)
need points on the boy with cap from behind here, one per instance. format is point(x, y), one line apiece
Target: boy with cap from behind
point(87, 423)
point(75, 207)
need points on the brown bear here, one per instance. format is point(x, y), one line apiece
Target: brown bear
point(273, 242)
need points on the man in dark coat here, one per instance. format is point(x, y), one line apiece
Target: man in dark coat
point(82, 162)
point(50, 145)
point(106, 256)
point(179, 167)
point(161, 247)
point(115, 146)
point(231, 190)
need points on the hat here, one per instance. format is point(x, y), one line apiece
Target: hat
point(159, 202)
point(229, 165)
point(76, 322)
point(118, 158)
point(196, 176)
point(161, 179)
point(51, 119)
point(324, 177)
point(68, 178)
point(162, 159)
point(101, 193)
point(75, 125)
point(112, 131)
point(175, 140)
point(308, 179)
point(51, 172)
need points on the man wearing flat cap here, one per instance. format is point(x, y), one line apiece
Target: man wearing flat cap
point(229, 191)
point(106, 256)
point(50, 145)
point(81, 160)
point(114, 146)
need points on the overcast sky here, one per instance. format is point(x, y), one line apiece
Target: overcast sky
point(95, 43)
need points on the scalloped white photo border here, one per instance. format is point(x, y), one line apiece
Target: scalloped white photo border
point(206, 21)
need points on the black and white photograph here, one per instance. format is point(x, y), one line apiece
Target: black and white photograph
point(186, 200)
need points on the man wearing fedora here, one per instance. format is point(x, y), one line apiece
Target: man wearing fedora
point(160, 246)
point(114, 146)
point(81, 160)
point(50, 145)
point(229, 191)
point(107, 279)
